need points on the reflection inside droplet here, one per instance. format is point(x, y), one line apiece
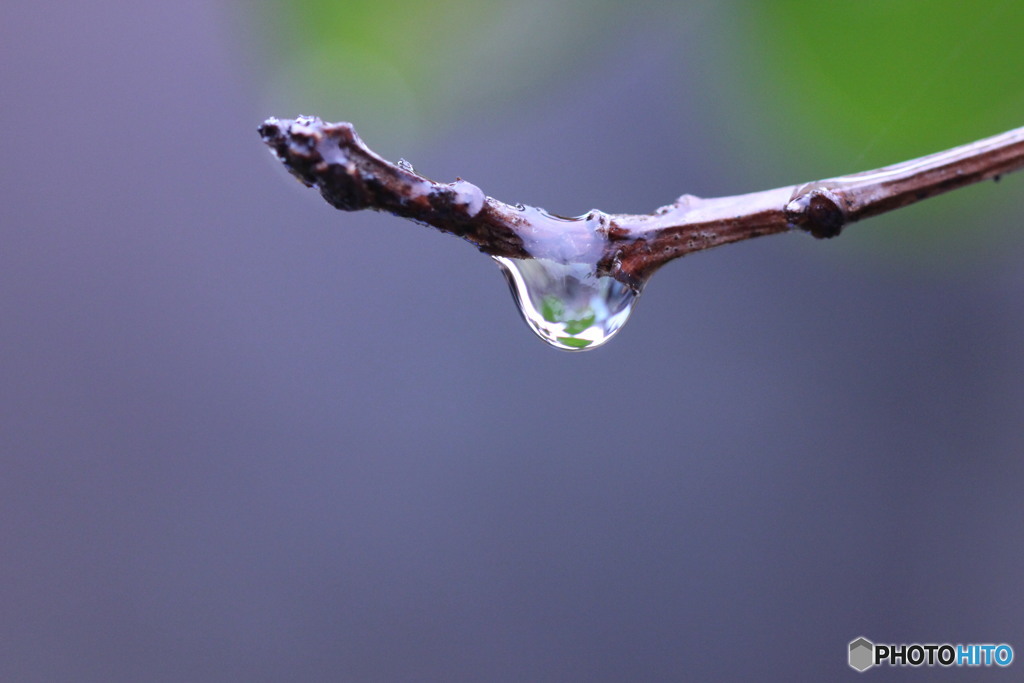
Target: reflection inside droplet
point(567, 304)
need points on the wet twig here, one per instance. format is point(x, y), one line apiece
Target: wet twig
point(628, 247)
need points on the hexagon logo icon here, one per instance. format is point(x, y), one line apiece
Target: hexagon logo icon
point(862, 654)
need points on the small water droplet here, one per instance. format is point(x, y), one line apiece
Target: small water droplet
point(468, 196)
point(405, 166)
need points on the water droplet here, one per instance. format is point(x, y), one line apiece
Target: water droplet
point(567, 304)
point(468, 196)
point(560, 292)
point(405, 166)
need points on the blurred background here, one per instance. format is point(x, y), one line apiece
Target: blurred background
point(244, 436)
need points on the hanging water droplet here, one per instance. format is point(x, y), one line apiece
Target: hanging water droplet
point(562, 293)
point(568, 305)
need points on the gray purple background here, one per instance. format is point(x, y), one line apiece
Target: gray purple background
point(246, 437)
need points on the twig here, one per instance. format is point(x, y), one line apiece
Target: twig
point(628, 247)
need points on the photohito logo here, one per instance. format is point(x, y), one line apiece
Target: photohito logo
point(864, 654)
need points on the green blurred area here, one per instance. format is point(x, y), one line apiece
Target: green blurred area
point(399, 66)
point(887, 80)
